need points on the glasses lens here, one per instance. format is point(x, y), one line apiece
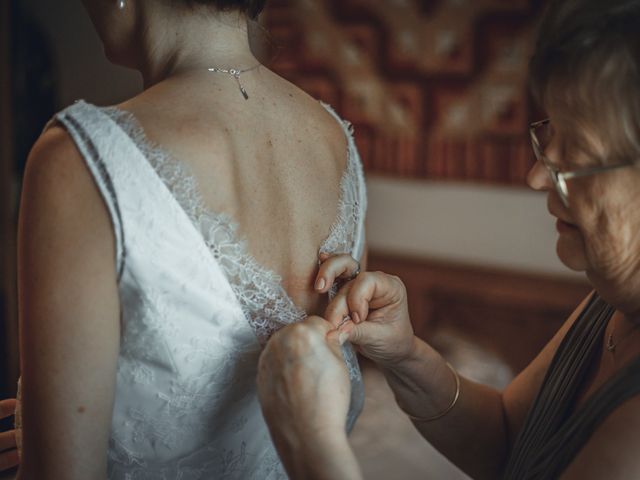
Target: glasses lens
point(561, 187)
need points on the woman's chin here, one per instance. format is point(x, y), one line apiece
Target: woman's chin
point(570, 251)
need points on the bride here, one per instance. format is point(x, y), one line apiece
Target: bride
point(163, 240)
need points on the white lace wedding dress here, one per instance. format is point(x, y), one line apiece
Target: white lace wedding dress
point(196, 310)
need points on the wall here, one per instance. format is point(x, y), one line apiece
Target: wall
point(434, 89)
point(83, 71)
point(470, 223)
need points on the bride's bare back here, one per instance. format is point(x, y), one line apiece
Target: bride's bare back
point(273, 163)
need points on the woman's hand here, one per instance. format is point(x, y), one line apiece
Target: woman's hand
point(8, 450)
point(376, 304)
point(333, 268)
point(304, 390)
point(303, 382)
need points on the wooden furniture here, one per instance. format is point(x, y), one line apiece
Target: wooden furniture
point(498, 314)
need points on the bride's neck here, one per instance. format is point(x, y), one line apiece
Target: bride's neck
point(177, 44)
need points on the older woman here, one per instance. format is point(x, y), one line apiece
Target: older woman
point(574, 412)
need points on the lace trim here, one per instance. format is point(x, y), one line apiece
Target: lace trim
point(264, 301)
point(343, 231)
point(342, 236)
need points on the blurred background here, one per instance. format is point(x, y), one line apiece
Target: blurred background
point(436, 91)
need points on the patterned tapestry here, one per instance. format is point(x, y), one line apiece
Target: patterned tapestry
point(434, 88)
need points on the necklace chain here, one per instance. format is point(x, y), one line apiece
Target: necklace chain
point(611, 345)
point(235, 73)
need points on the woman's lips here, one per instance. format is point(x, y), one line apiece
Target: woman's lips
point(563, 226)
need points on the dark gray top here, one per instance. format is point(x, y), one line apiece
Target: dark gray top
point(554, 431)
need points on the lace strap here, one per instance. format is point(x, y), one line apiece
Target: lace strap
point(359, 240)
point(353, 195)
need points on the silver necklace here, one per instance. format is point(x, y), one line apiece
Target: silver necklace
point(611, 345)
point(235, 73)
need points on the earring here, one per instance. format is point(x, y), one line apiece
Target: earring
point(121, 4)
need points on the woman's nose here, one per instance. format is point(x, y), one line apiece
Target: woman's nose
point(538, 177)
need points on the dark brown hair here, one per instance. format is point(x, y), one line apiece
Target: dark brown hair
point(587, 65)
point(251, 8)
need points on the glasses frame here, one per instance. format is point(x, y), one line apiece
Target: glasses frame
point(559, 178)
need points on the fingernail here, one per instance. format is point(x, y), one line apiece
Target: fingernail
point(320, 283)
point(355, 317)
point(343, 337)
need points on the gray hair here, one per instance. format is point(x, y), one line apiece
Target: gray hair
point(587, 64)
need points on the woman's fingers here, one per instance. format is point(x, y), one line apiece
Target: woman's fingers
point(7, 407)
point(9, 459)
point(359, 334)
point(370, 290)
point(8, 452)
point(318, 323)
point(354, 299)
point(7, 440)
point(331, 267)
point(337, 312)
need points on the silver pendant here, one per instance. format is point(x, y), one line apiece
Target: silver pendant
point(610, 345)
point(235, 73)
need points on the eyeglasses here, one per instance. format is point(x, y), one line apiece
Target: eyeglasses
point(541, 134)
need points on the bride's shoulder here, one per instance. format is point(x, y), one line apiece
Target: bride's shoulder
point(312, 108)
point(56, 177)
point(54, 154)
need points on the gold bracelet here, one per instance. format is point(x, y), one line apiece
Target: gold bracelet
point(446, 410)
